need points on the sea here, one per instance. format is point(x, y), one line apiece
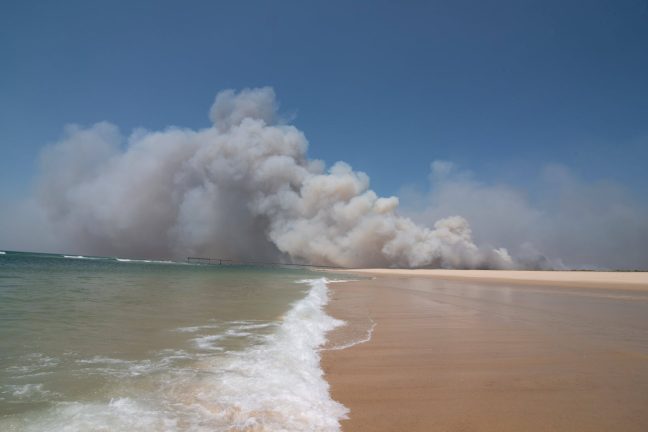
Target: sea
point(109, 344)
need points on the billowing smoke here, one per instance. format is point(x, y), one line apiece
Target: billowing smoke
point(243, 189)
point(565, 222)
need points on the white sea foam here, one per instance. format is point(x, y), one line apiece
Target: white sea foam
point(83, 257)
point(207, 343)
point(121, 368)
point(333, 281)
point(3, 253)
point(237, 329)
point(277, 385)
point(31, 392)
point(119, 414)
point(369, 333)
point(274, 385)
point(102, 360)
point(254, 326)
point(194, 329)
point(355, 342)
point(147, 261)
point(34, 363)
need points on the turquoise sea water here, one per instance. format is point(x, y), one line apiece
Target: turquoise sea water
point(105, 344)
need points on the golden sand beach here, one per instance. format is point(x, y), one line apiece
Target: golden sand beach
point(493, 351)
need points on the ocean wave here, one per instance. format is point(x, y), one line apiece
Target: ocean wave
point(194, 329)
point(253, 326)
point(207, 343)
point(33, 363)
point(276, 384)
point(121, 368)
point(30, 392)
point(145, 261)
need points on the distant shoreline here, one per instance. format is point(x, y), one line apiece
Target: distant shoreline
point(566, 278)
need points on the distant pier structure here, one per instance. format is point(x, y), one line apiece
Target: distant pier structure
point(224, 261)
point(201, 260)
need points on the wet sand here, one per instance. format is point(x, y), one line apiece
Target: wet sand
point(464, 355)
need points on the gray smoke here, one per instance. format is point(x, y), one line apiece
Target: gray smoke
point(567, 222)
point(243, 189)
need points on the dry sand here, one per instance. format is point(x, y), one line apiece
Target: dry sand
point(529, 351)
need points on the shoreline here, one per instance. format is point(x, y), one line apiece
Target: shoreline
point(573, 278)
point(465, 351)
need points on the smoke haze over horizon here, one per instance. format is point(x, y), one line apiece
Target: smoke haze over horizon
point(246, 189)
point(566, 223)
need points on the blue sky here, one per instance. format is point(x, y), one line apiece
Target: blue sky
point(501, 89)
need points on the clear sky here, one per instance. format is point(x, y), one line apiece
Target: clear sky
point(501, 88)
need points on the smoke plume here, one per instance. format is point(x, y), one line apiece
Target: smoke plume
point(566, 222)
point(243, 189)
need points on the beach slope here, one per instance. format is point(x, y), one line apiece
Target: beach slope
point(493, 351)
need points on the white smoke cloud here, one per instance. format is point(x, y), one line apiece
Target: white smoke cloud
point(243, 188)
point(567, 223)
